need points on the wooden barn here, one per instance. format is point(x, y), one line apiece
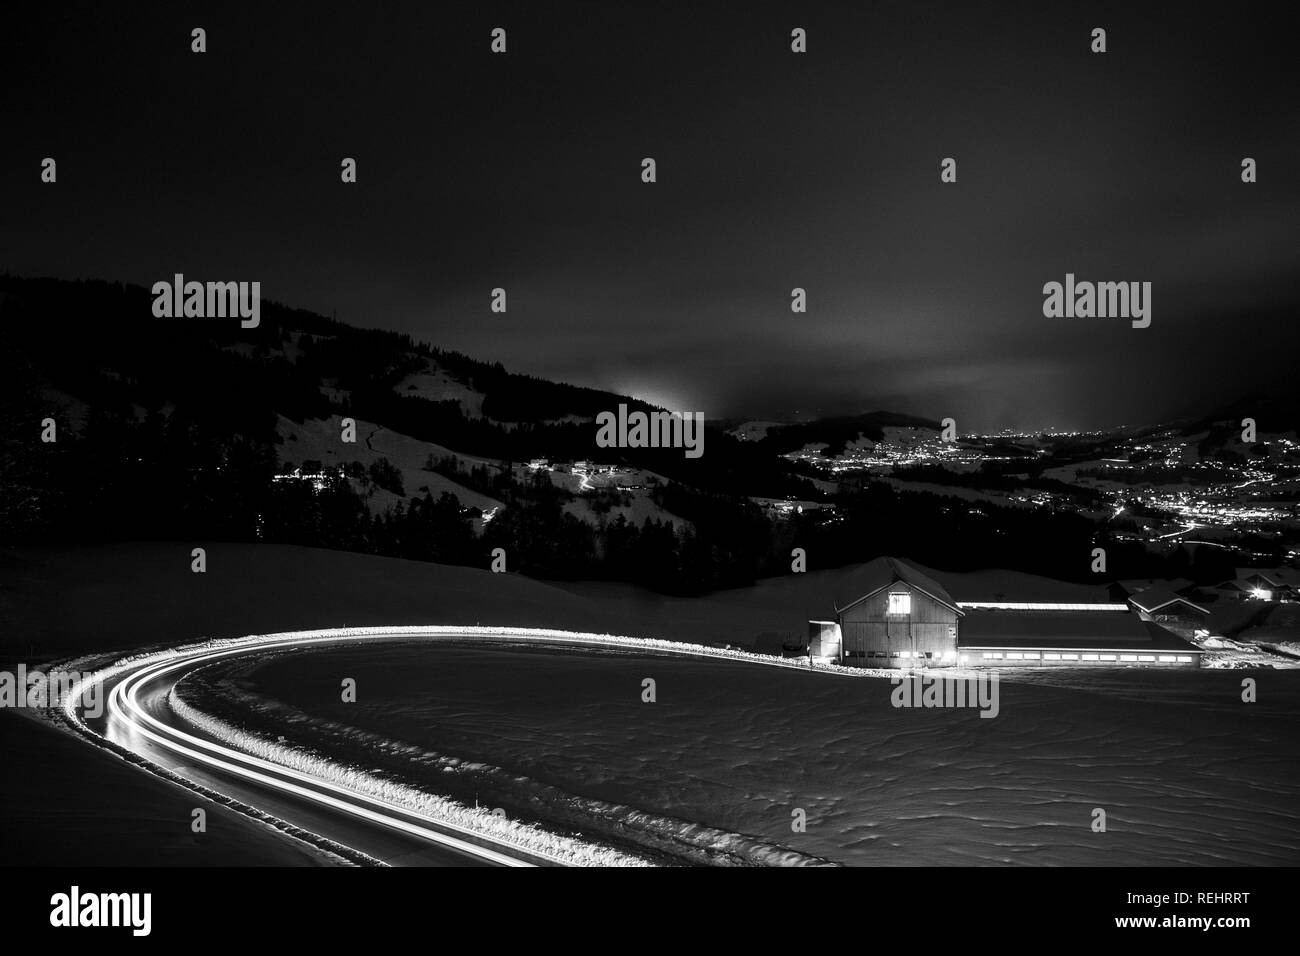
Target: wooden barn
point(891, 615)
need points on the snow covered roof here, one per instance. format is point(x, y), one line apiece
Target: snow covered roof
point(1238, 585)
point(881, 573)
point(1153, 599)
point(1000, 585)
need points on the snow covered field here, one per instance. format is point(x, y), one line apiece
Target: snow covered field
point(729, 752)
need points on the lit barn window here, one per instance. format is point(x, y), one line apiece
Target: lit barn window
point(900, 604)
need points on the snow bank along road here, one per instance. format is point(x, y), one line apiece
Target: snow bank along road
point(140, 717)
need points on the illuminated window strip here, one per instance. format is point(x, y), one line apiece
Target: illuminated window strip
point(1010, 606)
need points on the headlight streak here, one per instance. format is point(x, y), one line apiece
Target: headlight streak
point(124, 705)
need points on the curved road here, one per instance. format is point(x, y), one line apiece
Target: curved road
point(138, 717)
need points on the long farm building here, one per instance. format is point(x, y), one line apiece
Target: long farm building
point(889, 614)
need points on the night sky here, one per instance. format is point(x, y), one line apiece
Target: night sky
point(775, 170)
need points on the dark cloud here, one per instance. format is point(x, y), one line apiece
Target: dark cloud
point(775, 171)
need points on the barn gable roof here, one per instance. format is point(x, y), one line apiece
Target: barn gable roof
point(1153, 599)
point(879, 574)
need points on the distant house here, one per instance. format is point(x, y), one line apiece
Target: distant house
point(1239, 590)
point(1268, 584)
point(1165, 607)
point(889, 614)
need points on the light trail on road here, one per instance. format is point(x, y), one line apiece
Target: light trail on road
point(130, 723)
